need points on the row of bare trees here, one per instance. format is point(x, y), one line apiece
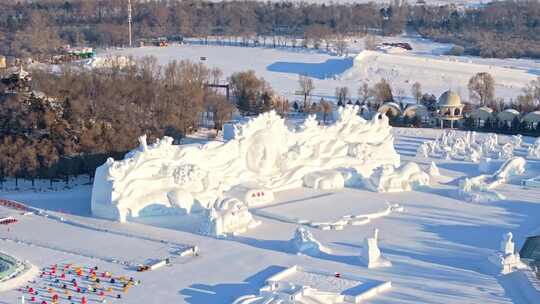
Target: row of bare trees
point(495, 29)
point(84, 116)
point(37, 29)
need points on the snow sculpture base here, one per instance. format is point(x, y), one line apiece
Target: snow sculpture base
point(303, 242)
point(251, 194)
point(506, 260)
point(371, 255)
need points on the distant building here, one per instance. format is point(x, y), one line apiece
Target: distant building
point(391, 109)
point(449, 108)
point(481, 115)
point(532, 119)
point(417, 111)
point(507, 116)
point(3, 63)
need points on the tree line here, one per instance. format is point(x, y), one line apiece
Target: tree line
point(68, 122)
point(497, 29)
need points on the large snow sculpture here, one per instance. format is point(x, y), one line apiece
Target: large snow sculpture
point(507, 259)
point(304, 242)
point(481, 188)
point(371, 255)
point(264, 154)
point(406, 178)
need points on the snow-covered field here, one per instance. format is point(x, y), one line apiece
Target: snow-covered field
point(438, 244)
point(425, 64)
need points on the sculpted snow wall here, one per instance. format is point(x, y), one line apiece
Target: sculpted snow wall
point(191, 178)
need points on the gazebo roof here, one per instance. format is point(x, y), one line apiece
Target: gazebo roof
point(449, 99)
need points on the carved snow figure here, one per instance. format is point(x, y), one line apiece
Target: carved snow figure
point(423, 150)
point(325, 180)
point(405, 178)
point(304, 242)
point(433, 170)
point(228, 216)
point(533, 152)
point(506, 259)
point(481, 188)
point(371, 255)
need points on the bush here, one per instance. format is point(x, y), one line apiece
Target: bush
point(456, 50)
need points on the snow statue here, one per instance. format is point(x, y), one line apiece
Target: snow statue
point(506, 259)
point(433, 170)
point(303, 242)
point(406, 178)
point(533, 152)
point(371, 255)
point(468, 147)
point(228, 216)
point(264, 157)
point(481, 188)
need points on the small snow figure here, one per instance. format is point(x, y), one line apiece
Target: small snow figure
point(507, 245)
point(433, 170)
point(506, 259)
point(371, 255)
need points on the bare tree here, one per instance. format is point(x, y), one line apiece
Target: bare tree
point(326, 109)
point(533, 89)
point(371, 42)
point(306, 88)
point(482, 88)
point(216, 75)
point(342, 93)
point(364, 93)
point(416, 91)
point(382, 92)
point(341, 45)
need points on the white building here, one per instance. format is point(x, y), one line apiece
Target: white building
point(449, 108)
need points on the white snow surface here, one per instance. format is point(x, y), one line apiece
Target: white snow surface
point(281, 66)
point(438, 246)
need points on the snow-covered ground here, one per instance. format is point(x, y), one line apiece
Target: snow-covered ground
point(425, 64)
point(438, 244)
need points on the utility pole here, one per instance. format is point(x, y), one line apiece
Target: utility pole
point(129, 22)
